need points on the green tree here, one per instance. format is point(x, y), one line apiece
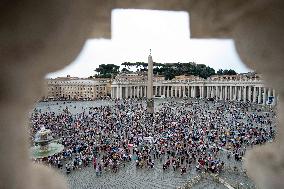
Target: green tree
point(220, 72)
point(125, 70)
point(170, 70)
point(107, 70)
point(232, 72)
point(226, 72)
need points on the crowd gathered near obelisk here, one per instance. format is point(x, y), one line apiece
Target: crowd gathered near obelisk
point(185, 136)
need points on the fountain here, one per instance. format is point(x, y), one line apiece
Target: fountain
point(44, 145)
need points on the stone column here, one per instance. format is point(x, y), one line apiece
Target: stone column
point(231, 93)
point(131, 92)
point(226, 93)
point(274, 93)
point(164, 90)
point(221, 92)
point(172, 91)
point(259, 95)
point(235, 93)
point(112, 92)
point(183, 91)
point(240, 93)
point(120, 92)
point(156, 90)
point(269, 92)
point(207, 92)
point(117, 91)
point(245, 93)
point(188, 91)
point(254, 95)
point(179, 92)
point(167, 94)
point(249, 94)
point(126, 91)
point(264, 96)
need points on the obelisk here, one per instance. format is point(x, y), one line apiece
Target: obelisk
point(150, 99)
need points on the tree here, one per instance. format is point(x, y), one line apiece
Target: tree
point(107, 70)
point(125, 70)
point(232, 72)
point(226, 72)
point(170, 70)
point(220, 72)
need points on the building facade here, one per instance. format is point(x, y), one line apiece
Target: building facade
point(74, 88)
point(242, 87)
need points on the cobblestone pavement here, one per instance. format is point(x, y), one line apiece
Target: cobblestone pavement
point(134, 178)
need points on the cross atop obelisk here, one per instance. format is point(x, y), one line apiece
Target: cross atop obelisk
point(150, 100)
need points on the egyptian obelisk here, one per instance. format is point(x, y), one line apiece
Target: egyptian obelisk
point(150, 99)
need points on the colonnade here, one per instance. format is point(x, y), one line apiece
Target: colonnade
point(228, 92)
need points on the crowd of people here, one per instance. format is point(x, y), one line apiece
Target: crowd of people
point(182, 135)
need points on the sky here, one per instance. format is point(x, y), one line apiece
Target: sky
point(167, 33)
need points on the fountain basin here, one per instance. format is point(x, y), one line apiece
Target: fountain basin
point(51, 149)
